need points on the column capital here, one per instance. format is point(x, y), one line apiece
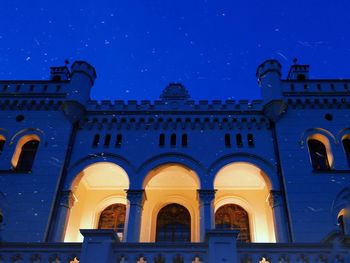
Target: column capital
point(67, 199)
point(275, 198)
point(206, 196)
point(136, 197)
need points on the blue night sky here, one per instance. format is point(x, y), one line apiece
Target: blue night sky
point(211, 46)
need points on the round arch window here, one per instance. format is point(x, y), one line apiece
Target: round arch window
point(173, 224)
point(233, 217)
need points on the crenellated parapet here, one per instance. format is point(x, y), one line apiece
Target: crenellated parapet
point(31, 104)
point(163, 122)
point(317, 87)
point(175, 105)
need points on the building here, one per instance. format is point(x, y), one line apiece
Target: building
point(164, 174)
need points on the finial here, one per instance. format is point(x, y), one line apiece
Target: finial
point(295, 60)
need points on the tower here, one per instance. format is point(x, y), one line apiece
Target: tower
point(82, 79)
point(269, 80)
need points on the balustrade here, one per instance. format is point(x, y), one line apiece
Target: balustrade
point(104, 246)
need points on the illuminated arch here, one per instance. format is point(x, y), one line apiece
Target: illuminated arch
point(79, 165)
point(95, 187)
point(268, 170)
point(246, 185)
point(168, 158)
point(166, 184)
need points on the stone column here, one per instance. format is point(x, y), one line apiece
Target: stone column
point(62, 215)
point(207, 216)
point(280, 218)
point(136, 199)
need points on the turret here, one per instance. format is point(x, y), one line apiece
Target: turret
point(269, 80)
point(82, 78)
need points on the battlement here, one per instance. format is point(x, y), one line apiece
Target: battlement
point(33, 88)
point(75, 85)
point(316, 87)
point(186, 105)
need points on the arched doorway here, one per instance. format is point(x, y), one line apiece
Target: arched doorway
point(173, 224)
point(242, 188)
point(100, 200)
point(233, 217)
point(169, 184)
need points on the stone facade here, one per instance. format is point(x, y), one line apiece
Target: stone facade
point(205, 136)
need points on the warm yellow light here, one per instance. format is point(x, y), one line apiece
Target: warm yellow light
point(246, 185)
point(96, 187)
point(19, 146)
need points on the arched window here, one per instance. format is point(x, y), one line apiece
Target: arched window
point(113, 217)
point(96, 140)
point(161, 140)
point(227, 140)
point(233, 217)
point(2, 143)
point(239, 140)
point(173, 224)
point(173, 140)
point(250, 138)
point(118, 141)
point(107, 140)
point(346, 145)
point(24, 155)
point(318, 154)
point(184, 140)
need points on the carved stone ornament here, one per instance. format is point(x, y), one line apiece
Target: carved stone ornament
point(206, 196)
point(275, 198)
point(136, 197)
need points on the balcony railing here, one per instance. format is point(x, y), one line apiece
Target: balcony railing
point(220, 247)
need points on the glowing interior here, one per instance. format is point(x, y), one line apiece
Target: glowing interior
point(96, 187)
point(171, 183)
point(245, 184)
